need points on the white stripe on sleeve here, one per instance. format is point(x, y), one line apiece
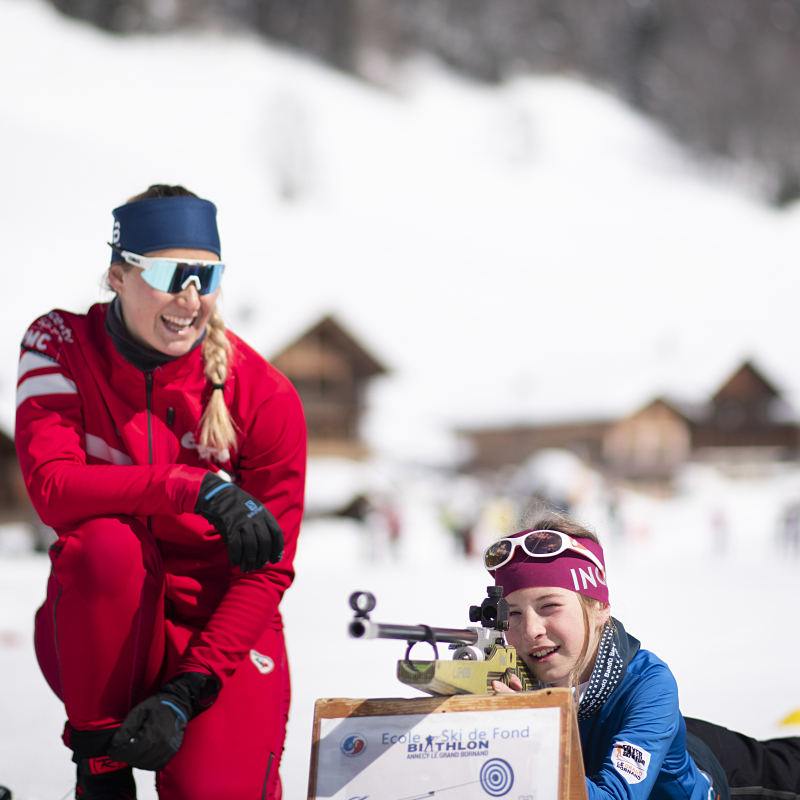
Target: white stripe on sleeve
point(54, 383)
point(100, 448)
point(30, 361)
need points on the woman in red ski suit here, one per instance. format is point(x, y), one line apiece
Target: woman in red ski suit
point(149, 438)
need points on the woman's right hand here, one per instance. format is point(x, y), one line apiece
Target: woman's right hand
point(515, 685)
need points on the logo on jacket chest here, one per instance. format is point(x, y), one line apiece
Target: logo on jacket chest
point(190, 443)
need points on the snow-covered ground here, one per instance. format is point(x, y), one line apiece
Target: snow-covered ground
point(718, 607)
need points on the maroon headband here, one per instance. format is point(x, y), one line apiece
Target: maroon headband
point(567, 570)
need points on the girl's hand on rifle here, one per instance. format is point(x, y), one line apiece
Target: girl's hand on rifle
point(515, 685)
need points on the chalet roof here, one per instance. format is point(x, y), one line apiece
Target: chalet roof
point(578, 424)
point(656, 402)
point(747, 383)
point(691, 412)
point(688, 412)
point(330, 329)
point(6, 443)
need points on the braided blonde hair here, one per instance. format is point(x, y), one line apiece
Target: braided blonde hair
point(217, 434)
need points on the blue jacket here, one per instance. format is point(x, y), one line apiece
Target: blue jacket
point(634, 747)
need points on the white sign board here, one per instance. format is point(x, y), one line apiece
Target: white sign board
point(512, 753)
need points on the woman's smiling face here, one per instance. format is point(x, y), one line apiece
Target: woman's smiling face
point(546, 628)
point(168, 323)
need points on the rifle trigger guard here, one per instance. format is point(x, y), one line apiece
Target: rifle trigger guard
point(430, 638)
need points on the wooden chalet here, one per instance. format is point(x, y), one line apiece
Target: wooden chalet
point(330, 371)
point(15, 505)
point(650, 444)
point(748, 412)
point(494, 448)
point(746, 420)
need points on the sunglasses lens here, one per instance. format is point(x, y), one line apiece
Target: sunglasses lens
point(161, 275)
point(214, 277)
point(169, 276)
point(542, 543)
point(497, 554)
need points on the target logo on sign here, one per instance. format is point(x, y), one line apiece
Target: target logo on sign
point(497, 777)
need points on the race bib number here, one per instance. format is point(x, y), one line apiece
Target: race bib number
point(631, 761)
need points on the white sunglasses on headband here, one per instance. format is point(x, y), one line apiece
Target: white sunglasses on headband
point(537, 544)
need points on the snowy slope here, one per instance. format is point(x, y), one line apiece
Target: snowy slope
point(723, 618)
point(533, 251)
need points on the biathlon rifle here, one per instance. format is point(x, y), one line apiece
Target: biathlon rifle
point(481, 655)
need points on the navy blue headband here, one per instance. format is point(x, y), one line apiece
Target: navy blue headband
point(162, 223)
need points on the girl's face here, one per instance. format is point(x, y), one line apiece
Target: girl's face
point(547, 630)
point(169, 323)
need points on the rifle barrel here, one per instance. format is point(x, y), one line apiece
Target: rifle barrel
point(366, 629)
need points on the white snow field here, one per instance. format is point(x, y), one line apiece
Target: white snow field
point(723, 615)
point(530, 251)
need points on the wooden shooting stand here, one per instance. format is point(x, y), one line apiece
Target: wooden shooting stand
point(571, 781)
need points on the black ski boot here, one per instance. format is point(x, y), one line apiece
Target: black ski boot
point(99, 777)
point(117, 784)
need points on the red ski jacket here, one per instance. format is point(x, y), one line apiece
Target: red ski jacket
point(97, 437)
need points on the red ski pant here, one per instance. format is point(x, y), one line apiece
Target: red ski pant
point(104, 645)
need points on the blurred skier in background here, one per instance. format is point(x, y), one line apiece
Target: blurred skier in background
point(169, 457)
point(790, 532)
point(635, 742)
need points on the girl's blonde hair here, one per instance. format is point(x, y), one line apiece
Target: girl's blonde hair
point(217, 433)
point(552, 520)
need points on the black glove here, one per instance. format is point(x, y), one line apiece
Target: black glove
point(251, 534)
point(153, 731)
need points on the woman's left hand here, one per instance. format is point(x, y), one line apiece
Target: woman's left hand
point(515, 685)
point(251, 534)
